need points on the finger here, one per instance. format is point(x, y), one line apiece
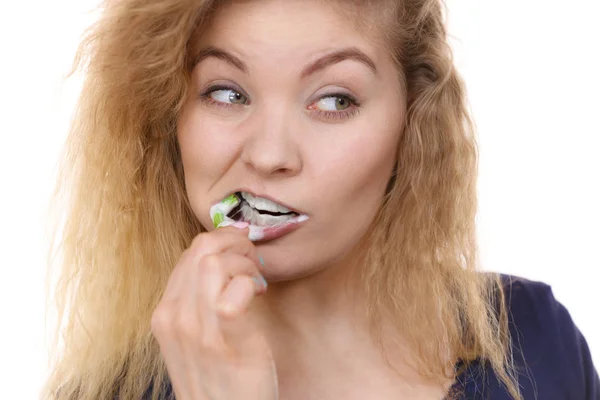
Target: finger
point(237, 227)
point(226, 240)
point(228, 273)
point(221, 241)
point(236, 325)
point(237, 296)
point(217, 271)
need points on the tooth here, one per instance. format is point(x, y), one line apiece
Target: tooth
point(267, 205)
point(253, 217)
point(264, 204)
point(247, 196)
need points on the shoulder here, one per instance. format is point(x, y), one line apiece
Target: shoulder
point(551, 355)
point(534, 312)
point(538, 321)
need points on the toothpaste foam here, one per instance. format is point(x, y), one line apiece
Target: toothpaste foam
point(218, 215)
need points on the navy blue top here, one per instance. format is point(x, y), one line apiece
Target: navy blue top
point(551, 355)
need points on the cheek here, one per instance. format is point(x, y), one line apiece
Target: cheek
point(206, 153)
point(204, 146)
point(349, 187)
point(357, 171)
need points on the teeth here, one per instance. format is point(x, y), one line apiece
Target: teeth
point(263, 204)
point(253, 217)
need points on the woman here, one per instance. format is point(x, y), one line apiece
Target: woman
point(322, 147)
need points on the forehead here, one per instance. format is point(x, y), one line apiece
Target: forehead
point(290, 29)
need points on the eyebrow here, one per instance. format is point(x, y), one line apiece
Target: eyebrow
point(221, 54)
point(350, 53)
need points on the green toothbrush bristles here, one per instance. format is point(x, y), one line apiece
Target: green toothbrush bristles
point(220, 210)
point(217, 219)
point(230, 200)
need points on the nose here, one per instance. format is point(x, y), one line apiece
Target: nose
point(271, 149)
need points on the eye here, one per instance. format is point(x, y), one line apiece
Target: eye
point(224, 96)
point(335, 107)
point(333, 103)
point(228, 96)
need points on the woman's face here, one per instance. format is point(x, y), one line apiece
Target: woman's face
point(290, 101)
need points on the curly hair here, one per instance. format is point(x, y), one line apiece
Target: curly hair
point(123, 217)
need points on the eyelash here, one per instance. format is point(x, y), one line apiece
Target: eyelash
point(342, 115)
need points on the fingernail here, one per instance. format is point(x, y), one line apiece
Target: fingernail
point(260, 281)
point(240, 224)
point(264, 281)
point(262, 262)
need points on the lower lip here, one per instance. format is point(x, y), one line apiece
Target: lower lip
point(265, 233)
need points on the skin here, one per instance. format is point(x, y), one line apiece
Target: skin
point(275, 140)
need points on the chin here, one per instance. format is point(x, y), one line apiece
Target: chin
point(285, 262)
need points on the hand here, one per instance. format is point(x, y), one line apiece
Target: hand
point(210, 346)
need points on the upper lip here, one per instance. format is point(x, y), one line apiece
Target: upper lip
point(271, 198)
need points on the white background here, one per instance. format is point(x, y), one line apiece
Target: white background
point(532, 70)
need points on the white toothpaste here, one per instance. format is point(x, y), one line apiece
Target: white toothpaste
point(219, 212)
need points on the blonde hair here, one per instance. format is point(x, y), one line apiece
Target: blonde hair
point(125, 218)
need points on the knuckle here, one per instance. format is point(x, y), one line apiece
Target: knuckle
point(201, 245)
point(186, 327)
point(184, 255)
point(211, 264)
point(161, 320)
point(249, 249)
point(248, 246)
point(201, 241)
point(246, 283)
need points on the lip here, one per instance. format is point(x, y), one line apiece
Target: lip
point(266, 233)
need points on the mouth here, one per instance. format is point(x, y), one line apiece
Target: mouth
point(260, 211)
point(267, 219)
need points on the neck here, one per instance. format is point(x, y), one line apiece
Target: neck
point(318, 305)
point(318, 329)
point(317, 320)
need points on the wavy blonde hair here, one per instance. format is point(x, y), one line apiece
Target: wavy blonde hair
point(124, 218)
